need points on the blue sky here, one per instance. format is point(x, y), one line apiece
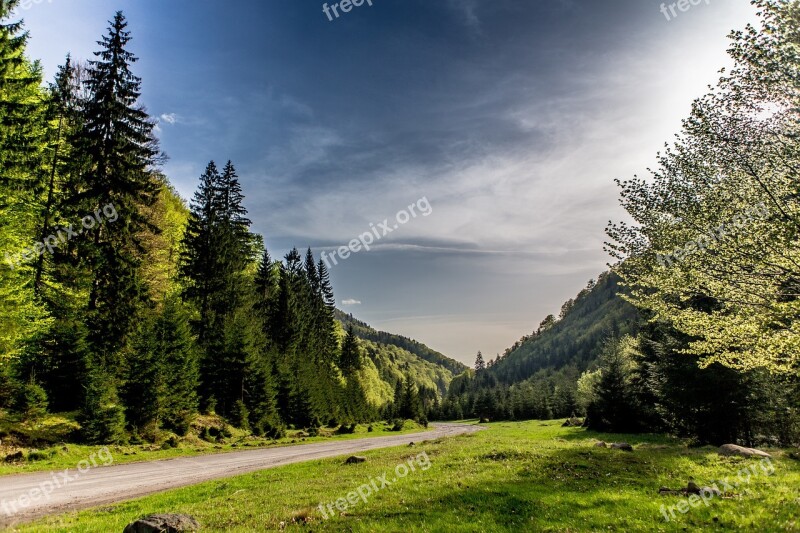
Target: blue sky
point(512, 117)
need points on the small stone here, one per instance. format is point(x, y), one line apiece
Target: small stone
point(624, 446)
point(600, 444)
point(163, 523)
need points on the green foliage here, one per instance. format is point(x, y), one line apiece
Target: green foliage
point(103, 415)
point(615, 406)
point(22, 145)
point(32, 401)
point(587, 387)
point(162, 371)
point(115, 151)
point(240, 416)
point(713, 249)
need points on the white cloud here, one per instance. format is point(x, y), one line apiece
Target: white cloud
point(351, 302)
point(169, 118)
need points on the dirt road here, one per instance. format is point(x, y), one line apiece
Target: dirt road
point(29, 496)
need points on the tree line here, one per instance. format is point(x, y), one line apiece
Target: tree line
point(160, 312)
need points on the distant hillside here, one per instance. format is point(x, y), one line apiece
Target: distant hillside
point(575, 339)
point(366, 332)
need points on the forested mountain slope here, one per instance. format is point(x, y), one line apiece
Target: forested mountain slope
point(538, 376)
point(394, 356)
point(597, 313)
point(366, 332)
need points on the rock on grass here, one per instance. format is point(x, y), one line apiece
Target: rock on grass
point(733, 449)
point(163, 523)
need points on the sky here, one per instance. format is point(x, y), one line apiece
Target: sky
point(503, 122)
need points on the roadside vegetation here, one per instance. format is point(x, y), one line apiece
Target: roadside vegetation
point(208, 434)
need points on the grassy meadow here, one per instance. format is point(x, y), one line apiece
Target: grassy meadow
point(527, 476)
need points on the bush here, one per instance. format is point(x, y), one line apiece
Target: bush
point(103, 417)
point(274, 431)
point(40, 455)
point(32, 401)
point(209, 406)
point(240, 416)
point(398, 424)
point(171, 442)
point(181, 424)
point(346, 430)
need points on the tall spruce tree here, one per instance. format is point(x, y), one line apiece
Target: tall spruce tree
point(117, 151)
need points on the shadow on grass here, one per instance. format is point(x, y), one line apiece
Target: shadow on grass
point(572, 489)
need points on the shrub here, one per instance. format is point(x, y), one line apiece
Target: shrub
point(346, 430)
point(240, 416)
point(32, 401)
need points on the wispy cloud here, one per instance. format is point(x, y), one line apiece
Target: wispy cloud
point(169, 118)
point(351, 302)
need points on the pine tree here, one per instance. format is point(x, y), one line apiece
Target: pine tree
point(161, 389)
point(350, 360)
point(480, 364)
point(116, 149)
point(102, 416)
point(63, 117)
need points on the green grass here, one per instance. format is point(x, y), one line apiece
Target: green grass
point(531, 476)
point(61, 456)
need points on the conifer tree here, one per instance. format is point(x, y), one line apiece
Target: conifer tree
point(480, 364)
point(117, 150)
point(350, 360)
point(163, 377)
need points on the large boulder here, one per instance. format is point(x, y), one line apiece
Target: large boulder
point(163, 523)
point(733, 449)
